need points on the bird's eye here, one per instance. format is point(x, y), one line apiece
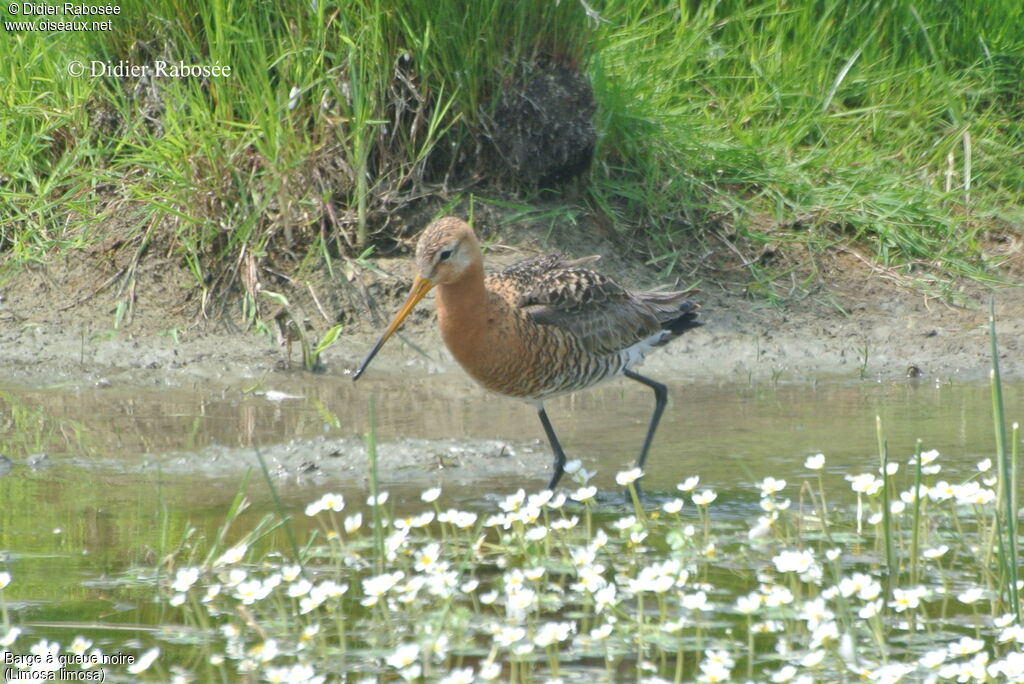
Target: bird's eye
point(444, 255)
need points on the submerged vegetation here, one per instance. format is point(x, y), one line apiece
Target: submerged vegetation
point(910, 582)
point(893, 127)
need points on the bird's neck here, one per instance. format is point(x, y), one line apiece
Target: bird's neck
point(462, 312)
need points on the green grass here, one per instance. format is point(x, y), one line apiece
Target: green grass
point(891, 126)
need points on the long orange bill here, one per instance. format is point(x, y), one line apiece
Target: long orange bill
point(420, 288)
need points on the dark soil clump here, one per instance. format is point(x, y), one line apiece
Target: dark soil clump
point(543, 129)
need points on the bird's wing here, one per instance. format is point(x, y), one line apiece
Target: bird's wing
point(602, 315)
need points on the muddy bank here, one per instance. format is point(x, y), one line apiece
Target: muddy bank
point(56, 326)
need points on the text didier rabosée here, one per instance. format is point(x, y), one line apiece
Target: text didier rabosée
point(158, 69)
point(29, 9)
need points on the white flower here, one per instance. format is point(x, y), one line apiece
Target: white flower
point(184, 579)
point(605, 597)
point(233, 555)
point(864, 586)
point(353, 523)
point(696, 601)
point(332, 502)
point(429, 496)
point(870, 609)
point(814, 612)
point(748, 604)
point(628, 477)
point(1012, 633)
point(689, 484)
point(10, 637)
point(264, 652)
point(415, 521)
point(428, 557)
point(941, 491)
point(672, 506)
point(553, 632)
point(404, 656)
point(591, 579)
point(966, 646)
point(583, 494)
point(462, 675)
point(771, 486)
point(379, 500)
point(985, 465)
point(565, 523)
point(144, 661)
point(519, 601)
point(47, 653)
point(719, 657)
point(865, 483)
point(824, 634)
point(536, 533)
point(506, 636)
point(906, 598)
point(932, 659)
point(714, 672)
point(376, 587)
point(794, 561)
point(489, 671)
point(785, 674)
point(236, 576)
point(908, 496)
point(512, 502)
point(626, 523)
point(1010, 668)
point(971, 595)
point(461, 519)
point(534, 574)
point(777, 596)
point(936, 552)
point(704, 498)
point(763, 528)
point(252, 591)
point(80, 645)
point(5, 579)
point(816, 462)
point(539, 499)
point(299, 673)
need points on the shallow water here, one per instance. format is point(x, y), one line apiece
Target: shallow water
point(127, 469)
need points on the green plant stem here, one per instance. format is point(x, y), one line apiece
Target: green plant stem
point(1007, 531)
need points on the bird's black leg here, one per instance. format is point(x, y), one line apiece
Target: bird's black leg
point(660, 399)
point(555, 447)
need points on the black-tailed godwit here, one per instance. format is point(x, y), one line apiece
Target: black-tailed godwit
point(542, 327)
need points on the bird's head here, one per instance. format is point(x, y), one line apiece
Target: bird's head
point(445, 251)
